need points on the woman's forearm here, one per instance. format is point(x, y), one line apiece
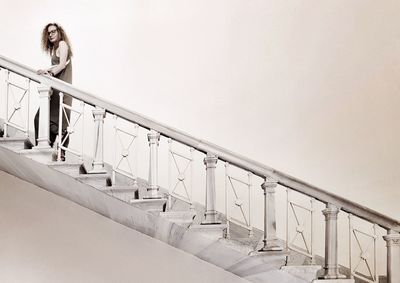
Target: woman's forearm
point(54, 70)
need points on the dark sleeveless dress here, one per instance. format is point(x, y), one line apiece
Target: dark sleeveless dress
point(66, 76)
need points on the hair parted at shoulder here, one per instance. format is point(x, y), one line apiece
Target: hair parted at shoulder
point(47, 46)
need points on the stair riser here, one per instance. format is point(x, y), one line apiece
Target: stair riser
point(126, 197)
point(96, 183)
point(15, 146)
point(71, 170)
point(154, 205)
point(42, 156)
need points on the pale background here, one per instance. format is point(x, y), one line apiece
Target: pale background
point(310, 88)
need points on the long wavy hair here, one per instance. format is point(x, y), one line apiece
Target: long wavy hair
point(47, 46)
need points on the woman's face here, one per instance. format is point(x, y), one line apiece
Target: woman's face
point(52, 31)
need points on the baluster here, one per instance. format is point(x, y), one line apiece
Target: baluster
point(98, 163)
point(82, 109)
point(60, 119)
point(7, 77)
point(191, 178)
point(211, 214)
point(250, 184)
point(43, 140)
point(351, 228)
point(268, 187)
point(312, 212)
point(136, 157)
point(152, 188)
point(115, 126)
point(28, 94)
point(169, 201)
point(376, 279)
point(331, 268)
point(288, 199)
point(228, 231)
point(393, 256)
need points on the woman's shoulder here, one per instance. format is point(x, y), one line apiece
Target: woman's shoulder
point(64, 48)
point(63, 44)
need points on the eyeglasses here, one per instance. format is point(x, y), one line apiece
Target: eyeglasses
point(52, 32)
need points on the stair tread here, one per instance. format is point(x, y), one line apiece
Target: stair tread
point(13, 139)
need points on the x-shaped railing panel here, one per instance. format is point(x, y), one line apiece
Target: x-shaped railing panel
point(125, 140)
point(307, 245)
point(183, 171)
point(15, 107)
point(233, 183)
point(364, 250)
point(71, 125)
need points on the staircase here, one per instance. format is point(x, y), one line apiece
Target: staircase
point(225, 239)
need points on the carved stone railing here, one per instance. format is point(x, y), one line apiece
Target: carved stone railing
point(213, 153)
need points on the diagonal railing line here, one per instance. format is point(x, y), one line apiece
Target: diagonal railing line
point(223, 154)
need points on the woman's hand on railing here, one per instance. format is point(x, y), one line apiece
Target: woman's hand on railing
point(44, 72)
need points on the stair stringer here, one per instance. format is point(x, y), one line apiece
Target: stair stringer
point(212, 250)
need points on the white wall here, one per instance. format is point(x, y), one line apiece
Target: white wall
point(309, 88)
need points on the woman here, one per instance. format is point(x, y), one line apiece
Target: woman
point(56, 43)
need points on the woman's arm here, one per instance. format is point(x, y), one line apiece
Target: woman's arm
point(54, 70)
point(63, 54)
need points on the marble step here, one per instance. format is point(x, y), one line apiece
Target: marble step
point(281, 276)
point(304, 272)
point(153, 205)
point(183, 218)
point(211, 231)
point(203, 241)
point(124, 193)
point(73, 169)
point(258, 263)
point(42, 155)
point(95, 180)
point(16, 144)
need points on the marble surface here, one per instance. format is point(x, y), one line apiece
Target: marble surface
point(224, 253)
point(45, 238)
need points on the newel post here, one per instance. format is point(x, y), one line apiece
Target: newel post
point(98, 163)
point(211, 214)
point(43, 140)
point(153, 190)
point(393, 256)
point(268, 187)
point(331, 268)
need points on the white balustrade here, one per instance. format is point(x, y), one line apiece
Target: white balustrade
point(43, 140)
point(330, 269)
point(270, 238)
point(211, 213)
point(98, 161)
point(331, 266)
point(393, 256)
point(6, 78)
point(152, 188)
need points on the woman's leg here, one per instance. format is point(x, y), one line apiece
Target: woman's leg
point(36, 122)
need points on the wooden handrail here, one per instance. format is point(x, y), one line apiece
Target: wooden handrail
point(207, 147)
